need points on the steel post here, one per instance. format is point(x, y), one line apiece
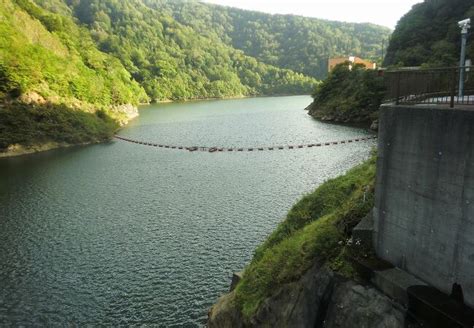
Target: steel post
point(462, 65)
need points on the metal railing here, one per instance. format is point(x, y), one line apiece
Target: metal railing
point(429, 86)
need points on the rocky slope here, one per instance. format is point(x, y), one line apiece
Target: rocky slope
point(320, 298)
point(304, 274)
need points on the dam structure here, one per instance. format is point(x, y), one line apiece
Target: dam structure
point(424, 205)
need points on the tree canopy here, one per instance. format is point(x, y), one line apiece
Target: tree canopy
point(301, 44)
point(173, 61)
point(429, 34)
point(350, 94)
point(95, 55)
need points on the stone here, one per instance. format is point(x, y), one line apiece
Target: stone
point(129, 110)
point(354, 305)
point(320, 298)
point(225, 314)
point(32, 98)
point(297, 304)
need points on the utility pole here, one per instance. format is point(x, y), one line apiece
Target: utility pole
point(383, 50)
point(465, 25)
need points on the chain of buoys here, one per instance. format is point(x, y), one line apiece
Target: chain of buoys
point(246, 149)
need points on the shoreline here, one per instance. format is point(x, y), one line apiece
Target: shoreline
point(169, 101)
point(16, 150)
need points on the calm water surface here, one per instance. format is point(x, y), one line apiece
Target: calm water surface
point(122, 234)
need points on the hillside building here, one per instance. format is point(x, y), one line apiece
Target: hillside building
point(354, 60)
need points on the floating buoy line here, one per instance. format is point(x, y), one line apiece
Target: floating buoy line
point(246, 149)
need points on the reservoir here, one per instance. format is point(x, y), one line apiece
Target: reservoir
point(124, 234)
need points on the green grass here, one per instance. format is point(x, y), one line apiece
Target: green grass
point(31, 125)
point(316, 228)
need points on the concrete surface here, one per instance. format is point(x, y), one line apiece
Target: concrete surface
point(395, 283)
point(363, 232)
point(424, 206)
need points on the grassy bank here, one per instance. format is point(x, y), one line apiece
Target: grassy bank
point(316, 228)
point(32, 125)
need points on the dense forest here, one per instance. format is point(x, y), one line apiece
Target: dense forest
point(168, 60)
point(68, 67)
point(55, 85)
point(172, 61)
point(298, 43)
point(51, 55)
point(429, 34)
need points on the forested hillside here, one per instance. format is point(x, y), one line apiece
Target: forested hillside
point(173, 49)
point(298, 43)
point(69, 67)
point(429, 34)
point(51, 55)
point(55, 85)
point(172, 61)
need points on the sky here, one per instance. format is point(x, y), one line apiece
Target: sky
point(381, 12)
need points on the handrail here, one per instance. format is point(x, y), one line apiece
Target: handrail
point(430, 86)
point(421, 69)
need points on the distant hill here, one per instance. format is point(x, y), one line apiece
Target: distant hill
point(172, 49)
point(71, 70)
point(298, 43)
point(429, 34)
point(167, 59)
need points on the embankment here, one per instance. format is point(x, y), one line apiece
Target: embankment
point(36, 126)
point(424, 209)
point(302, 275)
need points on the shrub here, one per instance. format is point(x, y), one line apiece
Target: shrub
point(29, 125)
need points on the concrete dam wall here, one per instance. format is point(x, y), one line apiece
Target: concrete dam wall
point(424, 207)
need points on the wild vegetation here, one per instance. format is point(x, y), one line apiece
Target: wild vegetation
point(316, 228)
point(96, 55)
point(426, 36)
point(298, 43)
point(33, 125)
point(429, 34)
point(350, 95)
point(173, 61)
point(48, 53)
point(50, 63)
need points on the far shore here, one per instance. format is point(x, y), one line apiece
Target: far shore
point(21, 150)
point(167, 101)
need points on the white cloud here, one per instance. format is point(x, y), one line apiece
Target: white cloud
point(381, 12)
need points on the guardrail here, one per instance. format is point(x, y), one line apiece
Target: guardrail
point(430, 86)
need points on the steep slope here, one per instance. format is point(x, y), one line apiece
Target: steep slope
point(56, 87)
point(292, 275)
point(38, 47)
point(298, 43)
point(70, 58)
point(429, 34)
point(172, 61)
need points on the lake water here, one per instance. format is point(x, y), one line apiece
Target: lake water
point(124, 234)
